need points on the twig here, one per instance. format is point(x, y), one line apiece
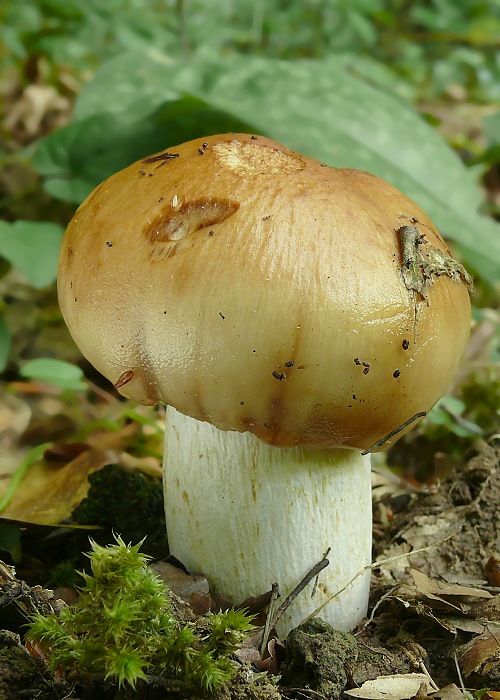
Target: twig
point(432, 684)
point(313, 592)
point(394, 432)
point(299, 588)
point(274, 615)
point(459, 674)
point(375, 565)
point(379, 602)
point(275, 591)
point(303, 692)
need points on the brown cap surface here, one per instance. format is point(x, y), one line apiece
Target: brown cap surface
point(251, 287)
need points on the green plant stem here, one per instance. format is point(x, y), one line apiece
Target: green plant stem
point(33, 456)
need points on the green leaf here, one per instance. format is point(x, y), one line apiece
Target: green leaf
point(313, 106)
point(33, 248)
point(56, 372)
point(448, 412)
point(4, 344)
point(77, 158)
point(33, 456)
point(491, 126)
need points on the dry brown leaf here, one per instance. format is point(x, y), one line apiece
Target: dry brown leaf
point(452, 606)
point(426, 611)
point(465, 624)
point(483, 652)
point(492, 571)
point(49, 493)
point(490, 609)
point(398, 687)
point(248, 652)
point(194, 590)
point(450, 692)
point(117, 441)
point(15, 415)
point(434, 587)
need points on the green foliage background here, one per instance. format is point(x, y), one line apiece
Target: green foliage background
point(369, 84)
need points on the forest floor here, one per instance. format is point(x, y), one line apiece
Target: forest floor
point(434, 622)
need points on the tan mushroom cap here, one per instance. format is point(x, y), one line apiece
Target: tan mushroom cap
point(251, 287)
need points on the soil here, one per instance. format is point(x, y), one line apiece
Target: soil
point(434, 624)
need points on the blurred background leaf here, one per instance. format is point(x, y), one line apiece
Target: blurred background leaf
point(4, 344)
point(32, 247)
point(56, 372)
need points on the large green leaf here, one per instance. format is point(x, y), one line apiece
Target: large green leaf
point(313, 106)
point(75, 159)
point(33, 248)
point(56, 372)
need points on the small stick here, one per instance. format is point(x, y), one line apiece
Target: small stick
point(394, 432)
point(378, 563)
point(459, 674)
point(299, 588)
point(313, 592)
point(275, 591)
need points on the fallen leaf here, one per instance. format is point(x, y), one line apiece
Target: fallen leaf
point(271, 663)
point(465, 624)
point(194, 590)
point(482, 653)
point(492, 571)
point(451, 692)
point(399, 687)
point(15, 416)
point(150, 466)
point(248, 652)
point(493, 694)
point(436, 588)
point(49, 494)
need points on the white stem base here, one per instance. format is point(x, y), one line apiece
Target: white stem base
point(246, 514)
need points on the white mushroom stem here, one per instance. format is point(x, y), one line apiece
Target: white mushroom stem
point(246, 514)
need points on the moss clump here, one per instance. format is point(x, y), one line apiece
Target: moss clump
point(20, 674)
point(123, 628)
point(127, 502)
point(316, 658)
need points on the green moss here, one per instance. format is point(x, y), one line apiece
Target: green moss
point(316, 658)
point(20, 673)
point(123, 628)
point(127, 502)
point(329, 662)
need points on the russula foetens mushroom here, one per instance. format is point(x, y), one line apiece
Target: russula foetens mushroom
point(292, 317)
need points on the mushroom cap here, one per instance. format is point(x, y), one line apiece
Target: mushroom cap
point(254, 288)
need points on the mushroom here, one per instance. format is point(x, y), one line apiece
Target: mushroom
point(294, 318)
